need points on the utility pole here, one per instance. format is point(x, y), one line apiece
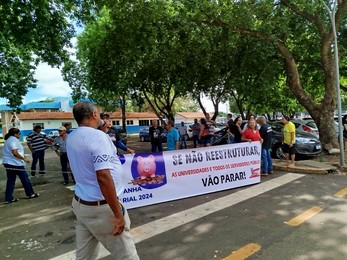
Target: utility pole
point(332, 13)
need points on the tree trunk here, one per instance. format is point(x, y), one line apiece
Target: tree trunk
point(322, 114)
point(123, 114)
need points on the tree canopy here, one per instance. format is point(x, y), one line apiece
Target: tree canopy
point(31, 32)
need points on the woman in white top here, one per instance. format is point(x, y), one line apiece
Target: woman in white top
point(14, 162)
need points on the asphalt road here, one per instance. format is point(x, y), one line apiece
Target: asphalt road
point(286, 216)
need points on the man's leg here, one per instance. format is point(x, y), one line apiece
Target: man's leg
point(120, 247)
point(292, 158)
point(42, 162)
point(292, 155)
point(160, 147)
point(269, 162)
point(87, 246)
point(264, 164)
point(34, 162)
point(195, 138)
point(63, 163)
point(153, 147)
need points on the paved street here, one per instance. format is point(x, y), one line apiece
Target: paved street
point(286, 216)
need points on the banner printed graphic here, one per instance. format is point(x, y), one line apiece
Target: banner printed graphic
point(160, 177)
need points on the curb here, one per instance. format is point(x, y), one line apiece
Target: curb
point(306, 166)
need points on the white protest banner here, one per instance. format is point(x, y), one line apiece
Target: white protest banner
point(160, 177)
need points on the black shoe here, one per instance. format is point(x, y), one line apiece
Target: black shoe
point(9, 202)
point(34, 195)
point(32, 173)
point(42, 173)
point(66, 183)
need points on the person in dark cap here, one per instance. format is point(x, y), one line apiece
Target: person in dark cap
point(114, 134)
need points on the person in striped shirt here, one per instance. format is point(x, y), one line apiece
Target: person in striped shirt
point(37, 145)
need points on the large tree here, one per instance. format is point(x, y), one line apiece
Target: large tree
point(303, 35)
point(31, 32)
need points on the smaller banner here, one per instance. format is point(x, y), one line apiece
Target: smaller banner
point(159, 177)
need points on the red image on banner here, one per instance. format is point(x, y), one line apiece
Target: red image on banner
point(255, 173)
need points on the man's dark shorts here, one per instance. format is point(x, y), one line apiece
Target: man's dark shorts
point(287, 149)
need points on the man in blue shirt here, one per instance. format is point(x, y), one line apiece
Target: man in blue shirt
point(173, 137)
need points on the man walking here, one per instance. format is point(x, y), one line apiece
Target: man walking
point(37, 145)
point(266, 135)
point(196, 130)
point(98, 175)
point(59, 146)
point(182, 129)
point(155, 132)
point(172, 138)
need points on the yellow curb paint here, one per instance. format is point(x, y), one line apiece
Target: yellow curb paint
point(244, 252)
point(303, 217)
point(341, 193)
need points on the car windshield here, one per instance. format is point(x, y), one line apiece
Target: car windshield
point(311, 124)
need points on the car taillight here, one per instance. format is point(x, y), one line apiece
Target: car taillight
point(307, 129)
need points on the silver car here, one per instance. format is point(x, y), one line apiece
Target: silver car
point(307, 126)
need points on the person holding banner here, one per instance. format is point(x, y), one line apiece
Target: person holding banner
point(251, 133)
point(155, 132)
point(100, 217)
point(266, 134)
point(236, 130)
point(172, 137)
point(196, 130)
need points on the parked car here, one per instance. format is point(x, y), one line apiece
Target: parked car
point(53, 134)
point(144, 135)
point(123, 135)
point(305, 144)
point(302, 126)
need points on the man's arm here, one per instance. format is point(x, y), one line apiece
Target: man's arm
point(30, 147)
point(108, 190)
point(291, 138)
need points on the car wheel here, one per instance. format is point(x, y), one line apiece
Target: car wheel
point(277, 152)
point(142, 138)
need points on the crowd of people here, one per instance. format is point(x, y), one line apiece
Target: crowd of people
point(255, 129)
point(90, 154)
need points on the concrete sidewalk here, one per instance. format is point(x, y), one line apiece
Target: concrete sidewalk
point(305, 166)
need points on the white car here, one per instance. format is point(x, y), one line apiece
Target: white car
point(53, 134)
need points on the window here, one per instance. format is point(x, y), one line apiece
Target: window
point(115, 122)
point(40, 124)
point(130, 122)
point(145, 122)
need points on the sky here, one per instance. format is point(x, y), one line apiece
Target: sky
point(51, 84)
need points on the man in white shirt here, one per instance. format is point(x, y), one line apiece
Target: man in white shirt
point(97, 171)
point(182, 129)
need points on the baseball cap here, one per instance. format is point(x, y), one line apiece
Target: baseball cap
point(62, 128)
